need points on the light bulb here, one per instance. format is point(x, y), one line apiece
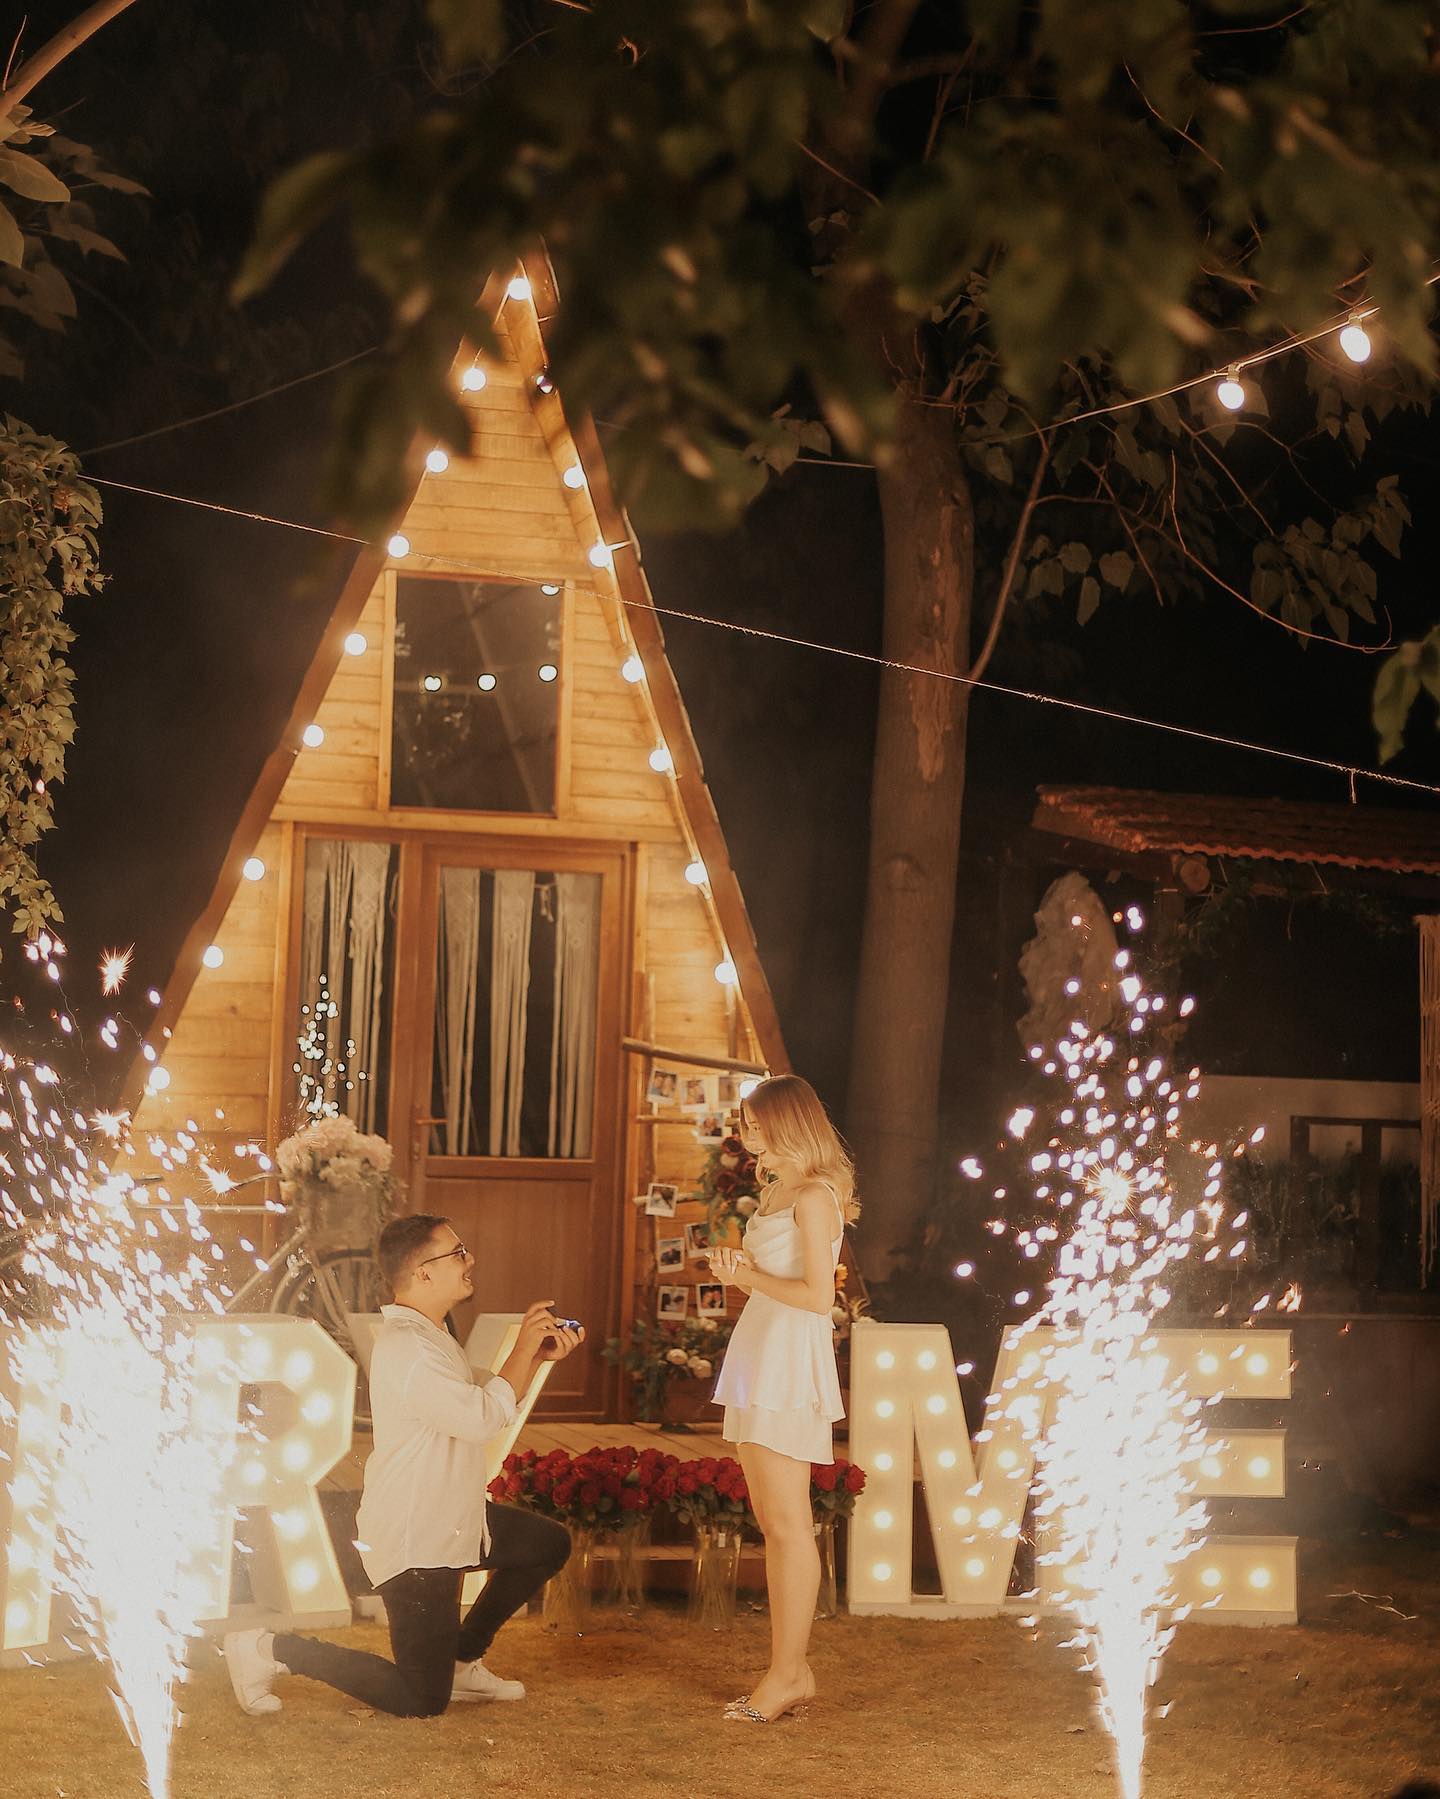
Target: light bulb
point(725, 973)
point(519, 289)
point(399, 545)
point(313, 736)
point(1230, 391)
point(550, 587)
point(632, 669)
point(213, 956)
point(548, 671)
point(695, 873)
point(1355, 341)
point(574, 476)
point(254, 869)
point(437, 461)
point(356, 644)
point(661, 760)
point(432, 683)
point(486, 683)
point(159, 1079)
point(473, 379)
point(600, 556)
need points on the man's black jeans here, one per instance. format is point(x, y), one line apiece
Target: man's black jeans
point(427, 1637)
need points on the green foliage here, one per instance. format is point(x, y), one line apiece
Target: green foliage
point(741, 223)
point(48, 520)
point(39, 212)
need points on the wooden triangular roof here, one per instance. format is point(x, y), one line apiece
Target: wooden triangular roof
point(622, 588)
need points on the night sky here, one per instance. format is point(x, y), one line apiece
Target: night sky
point(188, 663)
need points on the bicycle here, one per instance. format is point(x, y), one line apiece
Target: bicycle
point(300, 1278)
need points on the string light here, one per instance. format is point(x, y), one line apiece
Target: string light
point(399, 545)
point(600, 556)
point(725, 973)
point(437, 461)
point(1355, 340)
point(356, 644)
point(661, 760)
point(519, 289)
point(1230, 390)
point(548, 671)
point(313, 736)
point(254, 869)
point(474, 379)
point(432, 683)
point(695, 873)
point(213, 956)
point(486, 683)
point(574, 477)
point(159, 1079)
point(544, 382)
point(550, 587)
point(632, 669)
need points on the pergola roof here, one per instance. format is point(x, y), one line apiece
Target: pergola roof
point(1135, 822)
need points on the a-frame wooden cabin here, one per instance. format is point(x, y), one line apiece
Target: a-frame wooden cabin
point(487, 826)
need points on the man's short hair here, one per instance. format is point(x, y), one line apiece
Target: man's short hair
point(402, 1243)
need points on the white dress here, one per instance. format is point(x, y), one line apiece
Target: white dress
point(779, 1385)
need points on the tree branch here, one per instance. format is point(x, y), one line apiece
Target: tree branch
point(1012, 562)
point(35, 68)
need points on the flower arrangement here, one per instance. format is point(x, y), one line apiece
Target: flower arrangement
point(834, 1487)
point(661, 1352)
point(600, 1489)
point(729, 1185)
point(339, 1176)
point(845, 1310)
point(712, 1491)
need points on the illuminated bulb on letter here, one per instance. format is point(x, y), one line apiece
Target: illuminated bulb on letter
point(926, 1359)
point(935, 1404)
point(884, 1461)
point(313, 736)
point(946, 1458)
point(213, 956)
point(1257, 1364)
point(989, 1518)
point(961, 1515)
point(1230, 390)
point(1007, 1459)
point(883, 1520)
point(1259, 1467)
point(1209, 1364)
point(399, 545)
point(305, 1577)
point(254, 869)
point(975, 1567)
point(1259, 1578)
point(1355, 341)
point(1210, 1577)
point(437, 461)
point(885, 1408)
point(885, 1359)
point(881, 1570)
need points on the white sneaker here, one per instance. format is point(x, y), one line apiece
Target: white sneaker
point(252, 1671)
point(474, 1681)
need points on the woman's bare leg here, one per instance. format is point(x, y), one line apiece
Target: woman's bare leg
point(780, 1496)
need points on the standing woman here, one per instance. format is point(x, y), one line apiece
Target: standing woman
point(779, 1385)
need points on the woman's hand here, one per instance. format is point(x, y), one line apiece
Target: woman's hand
point(734, 1268)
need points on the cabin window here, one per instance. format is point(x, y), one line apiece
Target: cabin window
point(477, 695)
point(347, 961)
point(516, 976)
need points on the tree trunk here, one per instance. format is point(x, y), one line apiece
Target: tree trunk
point(915, 802)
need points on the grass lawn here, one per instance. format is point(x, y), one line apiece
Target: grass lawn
point(1346, 1705)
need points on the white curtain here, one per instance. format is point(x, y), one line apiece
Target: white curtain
point(1429, 1092)
point(572, 1034)
point(455, 992)
point(509, 1004)
point(343, 940)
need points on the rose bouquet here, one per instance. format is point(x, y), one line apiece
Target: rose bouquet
point(729, 1185)
point(712, 1491)
point(834, 1487)
point(600, 1489)
point(662, 1352)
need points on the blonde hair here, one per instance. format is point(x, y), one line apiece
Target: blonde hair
point(796, 1125)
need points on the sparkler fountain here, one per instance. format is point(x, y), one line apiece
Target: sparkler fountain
point(1117, 1457)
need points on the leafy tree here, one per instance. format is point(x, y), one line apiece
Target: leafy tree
point(960, 240)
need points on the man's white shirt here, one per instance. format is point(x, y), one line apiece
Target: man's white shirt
point(424, 1499)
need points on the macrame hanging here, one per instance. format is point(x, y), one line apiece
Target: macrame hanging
point(1429, 1091)
point(572, 1033)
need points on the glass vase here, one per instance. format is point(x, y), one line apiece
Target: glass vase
point(567, 1594)
point(625, 1575)
point(827, 1603)
point(716, 1572)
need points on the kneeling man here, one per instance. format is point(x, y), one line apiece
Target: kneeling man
point(423, 1519)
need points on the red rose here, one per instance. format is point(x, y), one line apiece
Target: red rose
point(496, 1488)
point(564, 1492)
point(824, 1478)
point(854, 1479)
point(686, 1483)
point(513, 1486)
point(632, 1500)
point(590, 1493)
point(541, 1482)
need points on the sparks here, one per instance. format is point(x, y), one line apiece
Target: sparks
point(114, 966)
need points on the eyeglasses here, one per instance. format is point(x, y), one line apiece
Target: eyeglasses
point(459, 1254)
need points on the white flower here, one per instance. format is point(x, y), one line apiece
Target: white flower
point(839, 1315)
point(709, 1324)
point(699, 1367)
point(677, 1356)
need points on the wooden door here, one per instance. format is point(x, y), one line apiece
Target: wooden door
point(508, 1078)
